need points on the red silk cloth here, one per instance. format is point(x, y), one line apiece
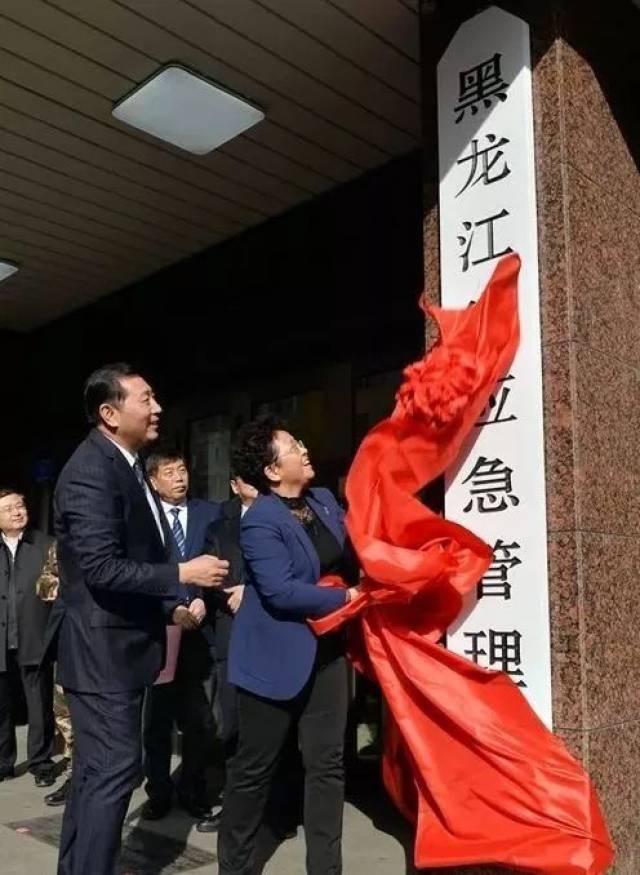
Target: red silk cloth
point(465, 756)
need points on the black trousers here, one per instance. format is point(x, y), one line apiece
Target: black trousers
point(37, 687)
point(224, 700)
point(320, 713)
point(284, 804)
point(185, 703)
point(106, 770)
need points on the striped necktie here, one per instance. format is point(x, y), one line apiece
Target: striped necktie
point(177, 530)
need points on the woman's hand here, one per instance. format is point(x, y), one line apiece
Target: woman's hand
point(235, 594)
point(197, 610)
point(353, 592)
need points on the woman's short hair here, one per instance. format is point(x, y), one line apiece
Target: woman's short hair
point(253, 450)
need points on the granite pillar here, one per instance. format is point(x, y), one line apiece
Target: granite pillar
point(587, 126)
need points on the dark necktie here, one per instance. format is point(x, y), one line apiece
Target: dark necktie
point(138, 470)
point(178, 531)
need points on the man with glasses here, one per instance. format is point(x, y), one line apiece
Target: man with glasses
point(23, 620)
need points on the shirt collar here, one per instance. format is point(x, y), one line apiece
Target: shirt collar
point(8, 541)
point(167, 507)
point(131, 459)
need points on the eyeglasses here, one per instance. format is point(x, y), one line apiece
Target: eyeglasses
point(13, 507)
point(297, 447)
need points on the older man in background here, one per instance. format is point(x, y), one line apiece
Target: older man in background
point(178, 695)
point(23, 621)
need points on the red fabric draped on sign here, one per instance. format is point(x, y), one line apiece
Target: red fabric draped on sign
point(465, 756)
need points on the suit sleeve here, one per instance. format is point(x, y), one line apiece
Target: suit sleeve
point(215, 597)
point(93, 522)
point(271, 569)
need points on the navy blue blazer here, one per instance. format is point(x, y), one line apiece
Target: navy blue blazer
point(200, 514)
point(117, 583)
point(272, 649)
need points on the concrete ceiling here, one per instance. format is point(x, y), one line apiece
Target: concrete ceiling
point(88, 205)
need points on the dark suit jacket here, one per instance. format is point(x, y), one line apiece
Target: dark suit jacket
point(272, 649)
point(195, 658)
point(117, 585)
point(32, 612)
point(223, 541)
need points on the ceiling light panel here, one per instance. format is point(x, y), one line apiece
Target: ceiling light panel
point(7, 269)
point(187, 110)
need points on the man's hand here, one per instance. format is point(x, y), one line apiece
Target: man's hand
point(235, 594)
point(198, 610)
point(182, 616)
point(203, 571)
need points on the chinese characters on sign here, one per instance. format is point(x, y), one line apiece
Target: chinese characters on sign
point(484, 161)
point(486, 165)
point(504, 651)
point(497, 403)
point(496, 579)
point(480, 85)
point(488, 210)
point(490, 487)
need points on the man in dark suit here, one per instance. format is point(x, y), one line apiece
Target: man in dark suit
point(117, 588)
point(223, 540)
point(23, 622)
point(179, 698)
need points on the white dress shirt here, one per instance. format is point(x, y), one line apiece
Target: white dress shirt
point(131, 459)
point(12, 543)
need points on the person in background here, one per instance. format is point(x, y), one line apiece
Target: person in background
point(47, 587)
point(118, 587)
point(223, 540)
point(179, 696)
point(23, 623)
point(286, 677)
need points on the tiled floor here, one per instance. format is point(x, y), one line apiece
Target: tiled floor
point(372, 845)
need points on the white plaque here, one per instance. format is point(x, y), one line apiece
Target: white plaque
point(488, 208)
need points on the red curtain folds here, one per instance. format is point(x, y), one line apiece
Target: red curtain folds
point(465, 756)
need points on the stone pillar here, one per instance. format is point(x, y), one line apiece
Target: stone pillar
point(586, 94)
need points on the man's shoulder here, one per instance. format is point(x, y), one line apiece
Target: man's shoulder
point(208, 510)
point(89, 453)
point(90, 462)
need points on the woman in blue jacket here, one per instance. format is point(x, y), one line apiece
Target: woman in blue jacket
point(290, 537)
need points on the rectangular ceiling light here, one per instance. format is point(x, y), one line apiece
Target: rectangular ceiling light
point(7, 269)
point(187, 110)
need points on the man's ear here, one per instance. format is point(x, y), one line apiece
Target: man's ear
point(109, 415)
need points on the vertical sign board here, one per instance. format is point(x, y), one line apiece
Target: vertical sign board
point(488, 209)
